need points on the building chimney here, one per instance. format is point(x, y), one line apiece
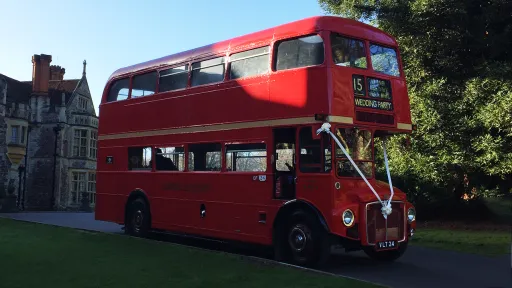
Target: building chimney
point(57, 73)
point(40, 73)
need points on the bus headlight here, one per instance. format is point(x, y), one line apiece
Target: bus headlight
point(348, 217)
point(411, 215)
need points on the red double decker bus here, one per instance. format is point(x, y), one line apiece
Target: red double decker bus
point(266, 138)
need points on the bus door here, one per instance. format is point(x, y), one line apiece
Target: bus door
point(284, 163)
point(314, 168)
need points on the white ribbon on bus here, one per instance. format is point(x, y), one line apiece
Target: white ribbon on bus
point(386, 205)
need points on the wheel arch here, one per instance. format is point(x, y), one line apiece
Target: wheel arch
point(137, 193)
point(294, 205)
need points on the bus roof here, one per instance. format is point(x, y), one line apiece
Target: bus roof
point(345, 26)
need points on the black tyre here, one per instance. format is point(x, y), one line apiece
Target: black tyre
point(388, 255)
point(302, 241)
point(137, 220)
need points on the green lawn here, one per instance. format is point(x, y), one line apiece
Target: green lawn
point(488, 243)
point(37, 255)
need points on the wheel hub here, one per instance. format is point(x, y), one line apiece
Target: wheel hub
point(297, 239)
point(138, 220)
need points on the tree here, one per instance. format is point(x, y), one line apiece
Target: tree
point(458, 64)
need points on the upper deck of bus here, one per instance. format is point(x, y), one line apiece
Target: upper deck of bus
point(305, 26)
point(291, 93)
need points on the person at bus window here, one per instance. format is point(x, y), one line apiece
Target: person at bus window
point(164, 163)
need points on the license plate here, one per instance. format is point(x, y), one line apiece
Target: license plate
point(385, 245)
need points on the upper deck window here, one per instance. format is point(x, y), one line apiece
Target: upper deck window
point(384, 60)
point(173, 78)
point(208, 71)
point(119, 90)
point(249, 63)
point(348, 52)
point(300, 52)
point(144, 85)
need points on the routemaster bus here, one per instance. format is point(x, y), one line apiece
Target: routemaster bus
point(266, 138)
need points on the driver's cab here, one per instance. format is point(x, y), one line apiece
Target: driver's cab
point(359, 145)
point(314, 156)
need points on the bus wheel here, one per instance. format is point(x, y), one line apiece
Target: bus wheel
point(387, 256)
point(137, 221)
point(303, 241)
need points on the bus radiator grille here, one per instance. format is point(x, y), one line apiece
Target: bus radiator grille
point(378, 227)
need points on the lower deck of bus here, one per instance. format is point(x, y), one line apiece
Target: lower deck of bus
point(228, 184)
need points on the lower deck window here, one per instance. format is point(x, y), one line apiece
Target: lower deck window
point(204, 157)
point(139, 158)
point(170, 159)
point(246, 157)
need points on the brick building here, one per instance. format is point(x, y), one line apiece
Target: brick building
point(48, 132)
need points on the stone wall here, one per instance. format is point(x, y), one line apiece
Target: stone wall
point(4, 161)
point(40, 170)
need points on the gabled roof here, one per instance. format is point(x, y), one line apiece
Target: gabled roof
point(20, 91)
point(57, 87)
point(66, 85)
point(17, 91)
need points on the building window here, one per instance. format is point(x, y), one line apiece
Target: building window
point(91, 188)
point(82, 103)
point(83, 182)
point(23, 132)
point(80, 143)
point(15, 134)
point(92, 145)
point(18, 134)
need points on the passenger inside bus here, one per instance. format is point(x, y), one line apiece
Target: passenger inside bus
point(164, 163)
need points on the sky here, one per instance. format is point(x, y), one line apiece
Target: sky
point(111, 34)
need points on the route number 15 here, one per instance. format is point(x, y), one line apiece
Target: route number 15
point(358, 85)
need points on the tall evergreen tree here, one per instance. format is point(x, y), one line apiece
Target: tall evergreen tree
point(457, 57)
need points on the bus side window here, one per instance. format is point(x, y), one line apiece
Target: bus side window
point(204, 157)
point(170, 158)
point(310, 151)
point(208, 71)
point(173, 78)
point(119, 90)
point(315, 154)
point(299, 52)
point(249, 63)
point(143, 85)
point(139, 158)
point(246, 157)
